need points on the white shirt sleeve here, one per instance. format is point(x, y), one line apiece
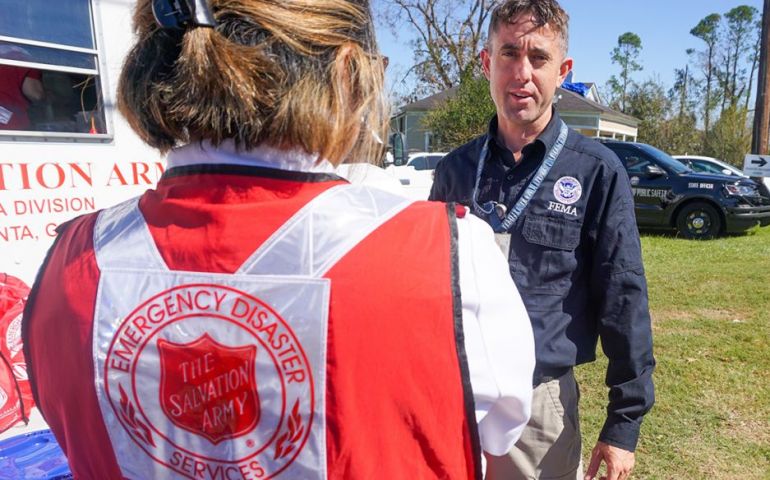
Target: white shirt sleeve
point(498, 338)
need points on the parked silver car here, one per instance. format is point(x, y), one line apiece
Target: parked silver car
point(701, 164)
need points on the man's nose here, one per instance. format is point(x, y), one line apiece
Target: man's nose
point(522, 70)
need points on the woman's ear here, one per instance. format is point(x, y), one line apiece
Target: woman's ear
point(348, 121)
point(343, 73)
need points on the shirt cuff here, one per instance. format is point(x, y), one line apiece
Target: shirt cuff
point(620, 432)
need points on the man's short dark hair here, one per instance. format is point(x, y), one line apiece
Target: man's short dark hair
point(543, 12)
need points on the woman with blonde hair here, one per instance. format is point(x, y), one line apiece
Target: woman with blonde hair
point(256, 316)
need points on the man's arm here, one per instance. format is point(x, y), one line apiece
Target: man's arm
point(619, 289)
point(454, 176)
point(438, 189)
point(32, 88)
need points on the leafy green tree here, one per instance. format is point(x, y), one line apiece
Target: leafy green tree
point(680, 135)
point(625, 55)
point(649, 103)
point(464, 116)
point(708, 31)
point(730, 137)
point(739, 41)
point(683, 93)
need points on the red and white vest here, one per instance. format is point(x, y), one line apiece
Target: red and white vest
point(302, 364)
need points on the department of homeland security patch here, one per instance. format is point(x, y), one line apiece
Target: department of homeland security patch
point(567, 190)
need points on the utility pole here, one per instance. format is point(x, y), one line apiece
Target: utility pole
point(761, 131)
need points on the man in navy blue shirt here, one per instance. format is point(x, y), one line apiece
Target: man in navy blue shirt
point(562, 207)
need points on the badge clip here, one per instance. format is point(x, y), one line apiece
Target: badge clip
point(182, 14)
point(495, 213)
point(501, 210)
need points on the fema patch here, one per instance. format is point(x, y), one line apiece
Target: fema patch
point(567, 190)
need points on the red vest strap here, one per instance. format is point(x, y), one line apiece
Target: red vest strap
point(399, 398)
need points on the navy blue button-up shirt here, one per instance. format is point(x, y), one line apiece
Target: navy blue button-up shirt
point(576, 259)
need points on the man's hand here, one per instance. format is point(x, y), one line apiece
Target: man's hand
point(619, 462)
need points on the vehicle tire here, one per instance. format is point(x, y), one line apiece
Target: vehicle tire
point(699, 221)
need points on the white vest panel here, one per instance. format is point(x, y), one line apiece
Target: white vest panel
point(204, 375)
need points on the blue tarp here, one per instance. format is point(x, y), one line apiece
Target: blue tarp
point(580, 88)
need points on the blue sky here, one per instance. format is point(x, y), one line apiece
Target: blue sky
point(595, 25)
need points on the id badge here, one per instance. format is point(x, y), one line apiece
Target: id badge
point(503, 240)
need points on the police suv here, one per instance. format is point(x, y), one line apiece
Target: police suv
point(668, 194)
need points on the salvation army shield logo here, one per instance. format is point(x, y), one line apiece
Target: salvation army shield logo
point(567, 190)
point(208, 388)
point(209, 381)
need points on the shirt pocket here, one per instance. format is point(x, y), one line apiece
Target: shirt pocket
point(547, 256)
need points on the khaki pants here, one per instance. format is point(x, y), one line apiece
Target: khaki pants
point(549, 447)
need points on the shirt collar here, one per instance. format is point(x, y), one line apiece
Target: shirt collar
point(546, 138)
point(204, 153)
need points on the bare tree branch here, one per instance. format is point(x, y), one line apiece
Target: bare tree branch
point(446, 35)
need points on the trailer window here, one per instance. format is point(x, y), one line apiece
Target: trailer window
point(49, 69)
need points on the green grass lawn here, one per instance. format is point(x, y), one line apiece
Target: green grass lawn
point(710, 304)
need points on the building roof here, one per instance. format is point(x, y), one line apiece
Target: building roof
point(569, 102)
point(429, 103)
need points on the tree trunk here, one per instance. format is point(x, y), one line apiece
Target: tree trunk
point(709, 80)
point(762, 108)
point(754, 59)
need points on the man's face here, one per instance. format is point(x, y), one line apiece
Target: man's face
point(524, 65)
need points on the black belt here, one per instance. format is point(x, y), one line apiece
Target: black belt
point(546, 374)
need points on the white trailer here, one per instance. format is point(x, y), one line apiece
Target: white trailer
point(77, 155)
point(66, 152)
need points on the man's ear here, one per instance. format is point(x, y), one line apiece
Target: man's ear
point(486, 59)
point(564, 69)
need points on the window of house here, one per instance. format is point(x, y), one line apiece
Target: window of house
point(428, 141)
point(49, 69)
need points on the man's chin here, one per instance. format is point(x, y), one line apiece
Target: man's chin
point(523, 117)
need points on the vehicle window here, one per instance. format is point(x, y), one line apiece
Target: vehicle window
point(663, 159)
point(706, 167)
point(635, 164)
point(419, 163)
point(49, 69)
point(433, 161)
point(633, 160)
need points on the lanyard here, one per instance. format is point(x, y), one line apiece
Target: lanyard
point(494, 211)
